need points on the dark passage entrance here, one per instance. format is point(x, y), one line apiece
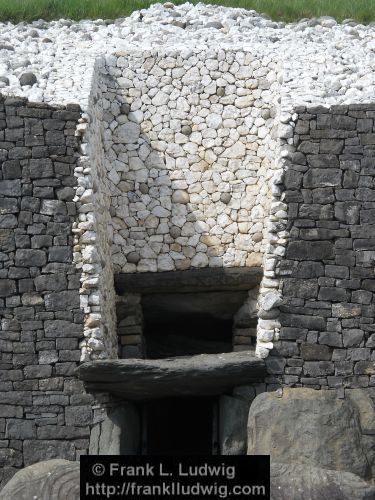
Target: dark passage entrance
point(184, 324)
point(180, 426)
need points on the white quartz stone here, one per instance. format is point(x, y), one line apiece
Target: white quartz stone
point(127, 133)
point(199, 260)
point(236, 151)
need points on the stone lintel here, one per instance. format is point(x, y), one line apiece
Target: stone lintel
point(143, 379)
point(207, 279)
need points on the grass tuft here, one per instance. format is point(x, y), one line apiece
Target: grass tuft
point(285, 10)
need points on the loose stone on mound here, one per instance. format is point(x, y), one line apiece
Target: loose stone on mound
point(324, 61)
point(28, 79)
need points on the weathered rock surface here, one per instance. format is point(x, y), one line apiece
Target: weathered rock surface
point(151, 379)
point(59, 479)
point(190, 280)
point(314, 428)
point(49, 480)
point(296, 482)
point(232, 425)
point(112, 437)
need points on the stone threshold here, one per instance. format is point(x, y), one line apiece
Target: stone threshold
point(145, 379)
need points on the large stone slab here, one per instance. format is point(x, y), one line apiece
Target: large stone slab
point(118, 433)
point(59, 479)
point(296, 482)
point(233, 416)
point(238, 278)
point(316, 428)
point(142, 379)
point(49, 480)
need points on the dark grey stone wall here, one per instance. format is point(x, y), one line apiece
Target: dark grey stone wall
point(44, 412)
point(327, 335)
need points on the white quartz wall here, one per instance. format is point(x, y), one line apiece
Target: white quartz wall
point(180, 169)
point(92, 251)
point(189, 153)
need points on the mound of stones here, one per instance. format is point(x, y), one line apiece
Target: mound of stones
point(324, 61)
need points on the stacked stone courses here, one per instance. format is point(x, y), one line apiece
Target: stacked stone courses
point(43, 412)
point(327, 335)
point(187, 170)
point(180, 138)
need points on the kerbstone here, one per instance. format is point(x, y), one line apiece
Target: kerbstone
point(290, 481)
point(332, 424)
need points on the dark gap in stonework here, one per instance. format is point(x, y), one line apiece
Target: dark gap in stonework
point(180, 426)
point(185, 324)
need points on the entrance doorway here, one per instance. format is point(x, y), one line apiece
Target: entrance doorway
point(180, 426)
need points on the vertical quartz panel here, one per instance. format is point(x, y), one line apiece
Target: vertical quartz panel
point(188, 163)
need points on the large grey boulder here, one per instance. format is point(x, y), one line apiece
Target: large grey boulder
point(296, 482)
point(316, 428)
point(59, 479)
point(50, 480)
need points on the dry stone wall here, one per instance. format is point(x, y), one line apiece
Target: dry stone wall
point(327, 275)
point(44, 412)
point(155, 194)
point(208, 156)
